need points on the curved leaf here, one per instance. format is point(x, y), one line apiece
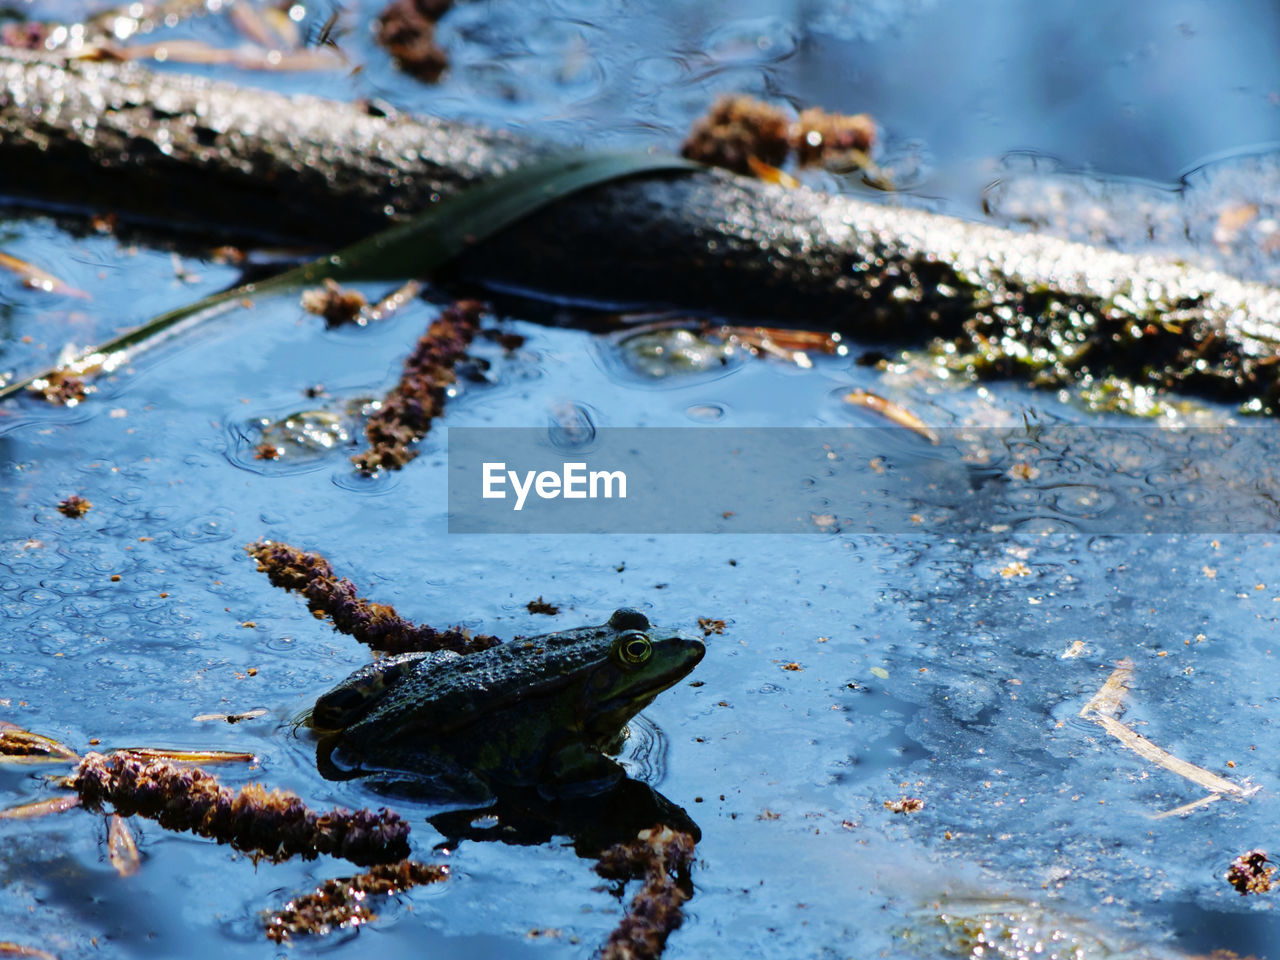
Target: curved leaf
point(411, 249)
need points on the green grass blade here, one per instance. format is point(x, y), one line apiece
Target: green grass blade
point(411, 249)
point(437, 235)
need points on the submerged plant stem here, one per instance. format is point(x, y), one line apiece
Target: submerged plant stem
point(272, 824)
point(408, 410)
point(375, 624)
point(661, 856)
point(344, 901)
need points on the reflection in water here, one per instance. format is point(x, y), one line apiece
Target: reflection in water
point(593, 821)
point(594, 815)
point(630, 830)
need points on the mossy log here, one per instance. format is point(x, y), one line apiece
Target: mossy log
point(110, 136)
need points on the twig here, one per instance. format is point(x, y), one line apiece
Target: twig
point(1191, 807)
point(1103, 707)
point(1161, 757)
point(40, 808)
point(1109, 700)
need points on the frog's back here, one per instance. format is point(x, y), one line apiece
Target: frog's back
point(442, 696)
point(364, 689)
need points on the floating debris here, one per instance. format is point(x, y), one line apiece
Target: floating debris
point(904, 805)
point(192, 756)
point(737, 129)
point(33, 278)
point(122, 848)
point(1103, 708)
point(1109, 700)
point(1149, 751)
point(231, 717)
point(1251, 872)
point(541, 606)
point(66, 383)
point(661, 856)
point(891, 411)
point(790, 346)
point(1190, 807)
point(74, 506)
point(274, 825)
point(326, 34)
point(19, 746)
point(658, 848)
point(821, 137)
point(407, 30)
point(771, 174)
point(392, 302)
point(374, 624)
point(340, 306)
point(754, 138)
point(343, 902)
point(10, 949)
point(41, 808)
point(302, 434)
point(406, 414)
point(709, 626)
point(61, 388)
point(334, 302)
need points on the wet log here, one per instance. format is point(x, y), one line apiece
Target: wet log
point(112, 136)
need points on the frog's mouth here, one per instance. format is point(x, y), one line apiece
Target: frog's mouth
point(634, 689)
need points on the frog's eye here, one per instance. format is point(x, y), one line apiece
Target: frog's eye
point(628, 619)
point(634, 648)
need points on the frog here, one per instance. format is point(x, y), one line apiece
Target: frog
point(544, 711)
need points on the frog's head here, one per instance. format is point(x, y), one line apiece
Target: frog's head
point(639, 665)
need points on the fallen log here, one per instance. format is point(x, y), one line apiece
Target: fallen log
point(164, 146)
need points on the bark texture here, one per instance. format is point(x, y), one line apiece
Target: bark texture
point(165, 146)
